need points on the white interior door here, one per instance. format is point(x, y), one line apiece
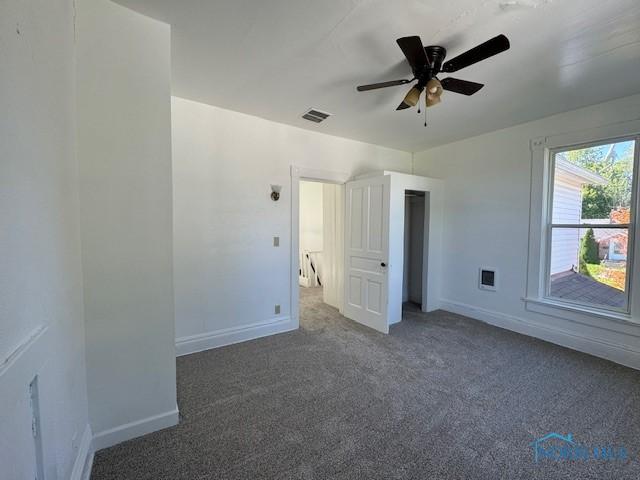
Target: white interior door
point(367, 252)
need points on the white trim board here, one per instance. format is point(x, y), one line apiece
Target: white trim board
point(319, 175)
point(122, 433)
point(610, 351)
point(84, 460)
point(229, 336)
point(23, 350)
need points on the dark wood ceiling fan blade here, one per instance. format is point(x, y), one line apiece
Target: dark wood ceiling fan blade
point(477, 54)
point(460, 86)
point(373, 86)
point(414, 51)
point(403, 106)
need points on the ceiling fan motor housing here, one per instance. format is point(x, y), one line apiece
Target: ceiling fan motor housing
point(436, 55)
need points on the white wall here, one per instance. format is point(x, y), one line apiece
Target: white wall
point(487, 187)
point(432, 260)
point(124, 152)
point(311, 216)
point(228, 276)
point(333, 244)
point(311, 231)
point(41, 319)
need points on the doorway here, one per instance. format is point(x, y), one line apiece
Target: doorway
point(414, 220)
point(317, 256)
point(370, 267)
point(320, 243)
point(311, 271)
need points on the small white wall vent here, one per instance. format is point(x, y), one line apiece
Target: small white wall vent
point(316, 116)
point(487, 279)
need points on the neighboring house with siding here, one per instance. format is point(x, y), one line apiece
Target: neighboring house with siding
point(612, 242)
point(567, 208)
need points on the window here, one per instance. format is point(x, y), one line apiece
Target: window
point(589, 224)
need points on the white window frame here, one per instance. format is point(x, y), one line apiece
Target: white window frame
point(537, 298)
point(629, 227)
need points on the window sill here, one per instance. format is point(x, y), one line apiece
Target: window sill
point(578, 313)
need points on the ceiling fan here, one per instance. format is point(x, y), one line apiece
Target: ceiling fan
point(427, 62)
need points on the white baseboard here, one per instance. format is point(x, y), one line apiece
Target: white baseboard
point(229, 336)
point(84, 460)
point(621, 354)
point(122, 433)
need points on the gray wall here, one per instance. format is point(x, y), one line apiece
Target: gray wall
point(414, 221)
point(407, 249)
point(416, 246)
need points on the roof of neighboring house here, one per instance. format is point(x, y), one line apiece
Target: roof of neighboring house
point(603, 233)
point(582, 175)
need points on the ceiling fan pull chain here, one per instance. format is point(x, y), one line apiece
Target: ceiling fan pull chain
point(425, 116)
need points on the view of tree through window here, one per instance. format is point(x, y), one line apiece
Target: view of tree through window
point(589, 228)
point(614, 163)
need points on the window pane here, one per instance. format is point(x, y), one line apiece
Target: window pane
point(589, 266)
point(593, 185)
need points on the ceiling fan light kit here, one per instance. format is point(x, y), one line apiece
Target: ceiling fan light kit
point(413, 97)
point(434, 92)
point(427, 62)
point(431, 100)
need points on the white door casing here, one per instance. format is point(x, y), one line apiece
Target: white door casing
point(367, 252)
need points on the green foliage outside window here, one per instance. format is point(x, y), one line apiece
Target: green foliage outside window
point(588, 249)
point(614, 166)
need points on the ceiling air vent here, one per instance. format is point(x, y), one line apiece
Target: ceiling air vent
point(316, 116)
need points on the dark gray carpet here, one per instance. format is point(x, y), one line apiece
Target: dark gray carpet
point(441, 397)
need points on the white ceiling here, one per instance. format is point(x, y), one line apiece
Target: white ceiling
point(276, 58)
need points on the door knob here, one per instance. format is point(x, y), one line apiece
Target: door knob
point(383, 264)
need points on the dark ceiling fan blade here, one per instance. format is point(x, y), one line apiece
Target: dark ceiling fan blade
point(461, 86)
point(403, 106)
point(373, 86)
point(476, 54)
point(414, 51)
